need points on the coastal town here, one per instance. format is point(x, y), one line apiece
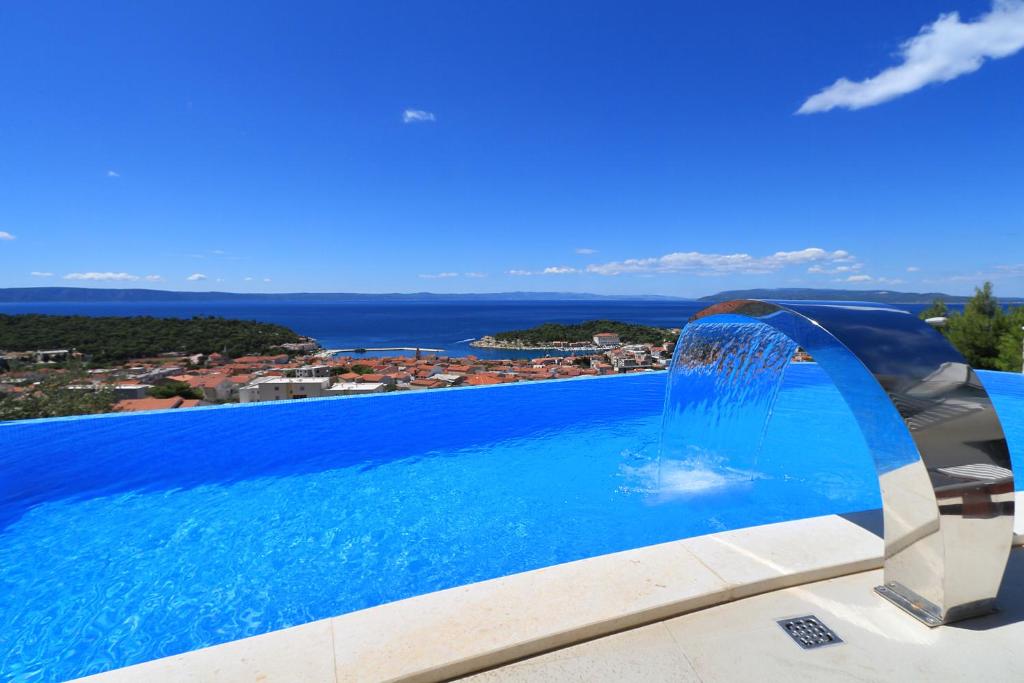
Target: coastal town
point(301, 370)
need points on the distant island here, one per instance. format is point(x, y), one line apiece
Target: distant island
point(586, 336)
point(122, 338)
point(873, 295)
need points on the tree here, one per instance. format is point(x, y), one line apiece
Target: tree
point(976, 332)
point(172, 389)
point(53, 397)
point(938, 309)
point(1011, 343)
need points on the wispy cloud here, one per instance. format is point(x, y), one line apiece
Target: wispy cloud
point(475, 274)
point(6, 236)
point(266, 279)
point(586, 251)
point(103, 277)
point(912, 269)
point(417, 116)
point(836, 270)
point(862, 277)
point(113, 174)
point(519, 273)
point(1000, 272)
point(940, 52)
point(437, 276)
point(196, 277)
point(37, 273)
point(698, 263)
point(154, 278)
point(559, 270)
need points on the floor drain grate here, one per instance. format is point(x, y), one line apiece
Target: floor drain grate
point(809, 632)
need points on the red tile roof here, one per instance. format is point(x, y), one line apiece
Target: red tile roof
point(133, 405)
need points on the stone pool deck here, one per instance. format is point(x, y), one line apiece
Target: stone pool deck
point(702, 608)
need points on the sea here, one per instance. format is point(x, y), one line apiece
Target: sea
point(447, 325)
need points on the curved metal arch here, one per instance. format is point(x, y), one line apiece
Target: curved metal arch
point(942, 460)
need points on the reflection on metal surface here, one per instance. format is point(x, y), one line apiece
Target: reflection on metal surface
point(941, 456)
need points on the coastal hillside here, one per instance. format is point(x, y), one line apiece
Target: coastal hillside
point(548, 333)
point(116, 338)
point(808, 294)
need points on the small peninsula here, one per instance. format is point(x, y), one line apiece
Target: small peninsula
point(585, 336)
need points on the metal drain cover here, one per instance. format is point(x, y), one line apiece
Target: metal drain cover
point(809, 632)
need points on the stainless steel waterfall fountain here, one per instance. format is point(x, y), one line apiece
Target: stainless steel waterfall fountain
point(939, 450)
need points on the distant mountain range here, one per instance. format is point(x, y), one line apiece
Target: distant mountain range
point(886, 296)
point(98, 295)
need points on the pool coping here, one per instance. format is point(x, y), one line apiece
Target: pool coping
point(462, 630)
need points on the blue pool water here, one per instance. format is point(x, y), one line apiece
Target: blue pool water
point(125, 538)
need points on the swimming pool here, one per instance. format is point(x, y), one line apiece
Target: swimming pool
point(125, 538)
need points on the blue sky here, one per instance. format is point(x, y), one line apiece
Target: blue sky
point(574, 146)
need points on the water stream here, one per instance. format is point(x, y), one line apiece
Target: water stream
point(725, 376)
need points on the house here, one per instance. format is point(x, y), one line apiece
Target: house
point(282, 388)
point(355, 388)
point(131, 391)
point(310, 371)
point(53, 356)
point(604, 339)
point(135, 405)
point(215, 387)
point(280, 359)
point(425, 384)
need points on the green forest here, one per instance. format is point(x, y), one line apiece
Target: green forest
point(584, 332)
point(988, 336)
point(122, 338)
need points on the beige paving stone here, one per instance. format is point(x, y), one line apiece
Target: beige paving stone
point(740, 640)
point(467, 629)
point(303, 653)
point(644, 654)
point(773, 556)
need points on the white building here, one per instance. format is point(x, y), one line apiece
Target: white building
point(310, 371)
point(355, 388)
point(283, 388)
point(606, 339)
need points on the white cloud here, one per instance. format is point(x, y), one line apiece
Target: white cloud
point(519, 272)
point(6, 236)
point(102, 277)
point(837, 270)
point(196, 277)
point(859, 278)
point(417, 116)
point(266, 279)
point(154, 278)
point(912, 269)
point(699, 263)
point(475, 274)
point(559, 270)
point(113, 174)
point(940, 52)
point(586, 251)
point(436, 276)
point(247, 279)
point(36, 273)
